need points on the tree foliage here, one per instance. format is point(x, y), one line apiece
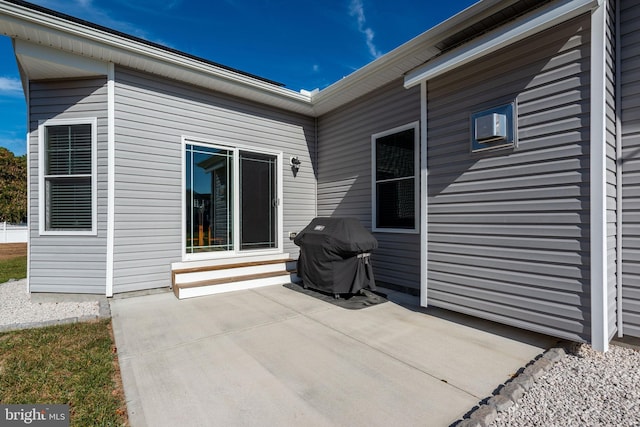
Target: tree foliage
point(13, 187)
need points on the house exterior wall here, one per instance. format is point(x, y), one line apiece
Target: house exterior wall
point(630, 119)
point(508, 234)
point(345, 173)
point(66, 263)
point(151, 117)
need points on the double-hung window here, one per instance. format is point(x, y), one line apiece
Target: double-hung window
point(67, 154)
point(395, 184)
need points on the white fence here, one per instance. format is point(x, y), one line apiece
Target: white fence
point(10, 233)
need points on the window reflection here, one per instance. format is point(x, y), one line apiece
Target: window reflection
point(209, 198)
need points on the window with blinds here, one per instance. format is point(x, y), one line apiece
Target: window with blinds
point(68, 177)
point(395, 166)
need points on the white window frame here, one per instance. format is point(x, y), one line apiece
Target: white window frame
point(416, 179)
point(235, 252)
point(42, 125)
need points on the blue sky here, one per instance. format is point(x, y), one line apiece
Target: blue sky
point(304, 44)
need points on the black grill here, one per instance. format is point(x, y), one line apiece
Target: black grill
point(335, 256)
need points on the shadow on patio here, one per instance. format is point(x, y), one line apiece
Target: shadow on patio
point(274, 357)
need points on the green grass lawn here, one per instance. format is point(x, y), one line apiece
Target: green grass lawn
point(14, 268)
point(72, 364)
point(69, 364)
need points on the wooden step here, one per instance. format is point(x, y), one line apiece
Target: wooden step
point(203, 269)
point(188, 282)
point(234, 279)
point(228, 261)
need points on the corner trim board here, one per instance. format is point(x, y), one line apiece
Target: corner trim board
point(424, 194)
point(111, 170)
point(598, 170)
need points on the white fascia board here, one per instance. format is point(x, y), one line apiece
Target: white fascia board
point(368, 72)
point(116, 44)
point(422, 45)
point(530, 24)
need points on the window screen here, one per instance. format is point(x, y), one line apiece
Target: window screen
point(395, 180)
point(68, 169)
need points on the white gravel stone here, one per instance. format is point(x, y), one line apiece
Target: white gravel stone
point(587, 388)
point(17, 309)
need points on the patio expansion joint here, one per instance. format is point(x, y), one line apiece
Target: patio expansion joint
point(397, 359)
point(366, 344)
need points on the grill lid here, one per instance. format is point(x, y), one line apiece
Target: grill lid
point(345, 235)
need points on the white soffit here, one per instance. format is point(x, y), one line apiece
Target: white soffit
point(39, 62)
point(84, 45)
point(536, 21)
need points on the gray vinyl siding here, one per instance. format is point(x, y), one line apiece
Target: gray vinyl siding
point(344, 180)
point(71, 264)
point(611, 169)
point(152, 115)
point(508, 230)
point(630, 105)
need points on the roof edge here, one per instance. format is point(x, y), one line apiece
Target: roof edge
point(401, 62)
point(471, 14)
point(140, 40)
point(261, 90)
point(536, 21)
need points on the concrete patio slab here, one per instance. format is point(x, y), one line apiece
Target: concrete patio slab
point(272, 356)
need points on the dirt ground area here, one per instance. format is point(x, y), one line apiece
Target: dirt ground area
point(12, 250)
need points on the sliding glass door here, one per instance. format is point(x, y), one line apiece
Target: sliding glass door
point(258, 201)
point(231, 200)
point(209, 204)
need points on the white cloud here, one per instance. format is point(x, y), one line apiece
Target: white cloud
point(356, 9)
point(10, 86)
point(316, 68)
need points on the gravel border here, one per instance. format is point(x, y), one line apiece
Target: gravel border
point(19, 310)
point(568, 385)
point(509, 393)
